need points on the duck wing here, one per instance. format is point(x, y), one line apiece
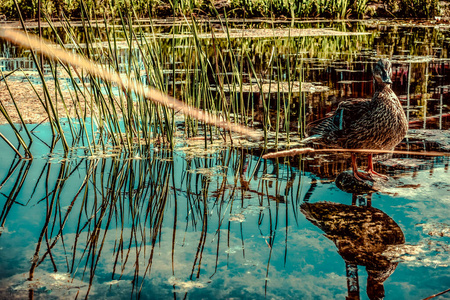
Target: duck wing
point(333, 129)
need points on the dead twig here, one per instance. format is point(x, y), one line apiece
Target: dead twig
point(438, 294)
point(298, 151)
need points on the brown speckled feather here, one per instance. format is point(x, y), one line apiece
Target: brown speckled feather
point(379, 123)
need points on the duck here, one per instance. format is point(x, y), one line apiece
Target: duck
point(379, 123)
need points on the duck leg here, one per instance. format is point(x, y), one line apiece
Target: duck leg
point(358, 175)
point(371, 171)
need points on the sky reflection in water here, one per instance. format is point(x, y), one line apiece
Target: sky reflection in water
point(221, 234)
point(229, 224)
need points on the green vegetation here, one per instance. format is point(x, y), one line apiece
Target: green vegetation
point(339, 9)
point(105, 114)
point(414, 8)
point(248, 81)
point(251, 81)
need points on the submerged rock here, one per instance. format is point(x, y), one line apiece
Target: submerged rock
point(346, 182)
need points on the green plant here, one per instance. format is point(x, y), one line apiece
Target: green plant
point(414, 8)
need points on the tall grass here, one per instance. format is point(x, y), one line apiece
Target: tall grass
point(125, 72)
point(248, 8)
point(17, 134)
point(130, 101)
point(339, 9)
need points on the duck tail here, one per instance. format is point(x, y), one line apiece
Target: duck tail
point(311, 138)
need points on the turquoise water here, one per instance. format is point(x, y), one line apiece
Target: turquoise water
point(222, 225)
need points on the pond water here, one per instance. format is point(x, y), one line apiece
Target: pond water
point(224, 223)
point(331, 67)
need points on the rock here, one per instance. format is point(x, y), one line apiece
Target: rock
point(346, 182)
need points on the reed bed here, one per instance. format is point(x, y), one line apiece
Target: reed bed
point(107, 72)
point(110, 83)
point(117, 101)
point(248, 8)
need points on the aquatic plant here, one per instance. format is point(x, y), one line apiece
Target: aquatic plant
point(248, 8)
point(414, 8)
point(251, 80)
point(105, 104)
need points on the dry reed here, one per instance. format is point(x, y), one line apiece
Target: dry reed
point(298, 151)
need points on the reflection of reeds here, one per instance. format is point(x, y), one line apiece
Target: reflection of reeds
point(116, 209)
point(15, 190)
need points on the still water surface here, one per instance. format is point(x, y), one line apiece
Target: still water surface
point(225, 223)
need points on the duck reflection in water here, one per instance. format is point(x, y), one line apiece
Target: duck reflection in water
point(361, 234)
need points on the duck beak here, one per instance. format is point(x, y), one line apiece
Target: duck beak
point(386, 78)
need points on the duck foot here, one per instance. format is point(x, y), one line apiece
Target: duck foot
point(371, 173)
point(363, 176)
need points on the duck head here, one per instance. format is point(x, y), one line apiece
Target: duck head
point(382, 72)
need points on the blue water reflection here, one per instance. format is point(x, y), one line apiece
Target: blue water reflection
point(227, 224)
point(214, 226)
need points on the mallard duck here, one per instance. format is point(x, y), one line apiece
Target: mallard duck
point(378, 123)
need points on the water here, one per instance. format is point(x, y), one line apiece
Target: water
point(177, 225)
point(225, 223)
point(339, 67)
